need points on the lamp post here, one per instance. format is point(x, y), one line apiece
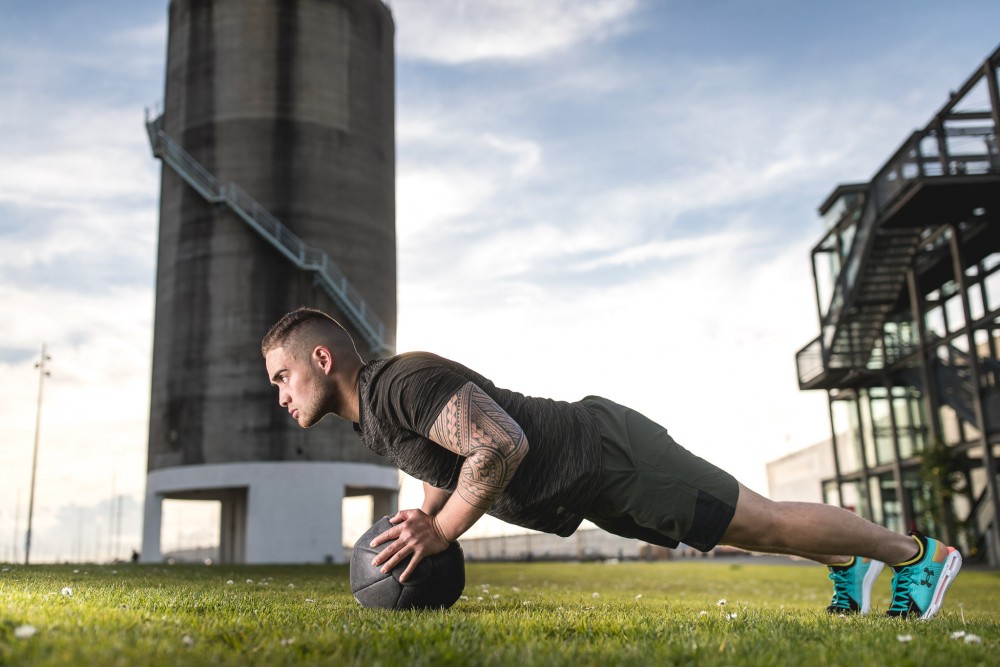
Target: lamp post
point(42, 374)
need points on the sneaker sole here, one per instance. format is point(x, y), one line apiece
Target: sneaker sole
point(871, 575)
point(948, 573)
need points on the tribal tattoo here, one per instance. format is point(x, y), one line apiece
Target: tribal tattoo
point(475, 427)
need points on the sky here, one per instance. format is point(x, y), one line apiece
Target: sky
point(612, 197)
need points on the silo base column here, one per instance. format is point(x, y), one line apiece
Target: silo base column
point(271, 512)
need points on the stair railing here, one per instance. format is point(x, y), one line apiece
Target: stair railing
point(328, 276)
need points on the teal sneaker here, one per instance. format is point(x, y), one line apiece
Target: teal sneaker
point(852, 585)
point(919, 585)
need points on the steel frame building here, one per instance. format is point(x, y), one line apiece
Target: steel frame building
point(907, 280)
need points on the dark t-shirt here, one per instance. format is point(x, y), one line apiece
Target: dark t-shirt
point(402, 396)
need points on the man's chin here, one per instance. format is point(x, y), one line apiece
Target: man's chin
point(308, 422)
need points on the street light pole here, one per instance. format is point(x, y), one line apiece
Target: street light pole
point(42, 374)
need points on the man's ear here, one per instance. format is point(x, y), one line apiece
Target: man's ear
point(322, 357)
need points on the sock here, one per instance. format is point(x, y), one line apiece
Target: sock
point(916, 557)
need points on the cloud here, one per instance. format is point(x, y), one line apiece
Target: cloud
point(450, 171)
point(96, 531)
point(583, 205)
point(95, 405)
point(462, 31)
point(87, 154)
point(77, 182)
point(660, 250)
point(705, 347)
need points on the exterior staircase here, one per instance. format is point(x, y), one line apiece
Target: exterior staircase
point(328, 276)
point(868, 289)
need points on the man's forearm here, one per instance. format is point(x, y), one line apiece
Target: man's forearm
point(456, 517)
point(493, 445)
point(434, 499)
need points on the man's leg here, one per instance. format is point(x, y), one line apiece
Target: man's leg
point(923, 568)
point(824, 533)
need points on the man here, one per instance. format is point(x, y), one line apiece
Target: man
point(548, 465)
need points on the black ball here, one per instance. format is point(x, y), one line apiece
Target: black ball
point(437, 581)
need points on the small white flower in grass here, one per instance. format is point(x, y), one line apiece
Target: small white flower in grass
point(24, 631)
point(595, 594)
point(479, 597)
point(6, 569)
point(464, 597)
point(249, 581)
point(76, 571)
point(958, 634)
point(639, 596)
point(288, 642)
point(67, 591)
point(187, 640)
point(973, 639)
point(496, 597)
point(731, 616)
point(291, 585)
point(309, 600)
point(903, 639)
point(229, 582)
point(702, 614)
point(721, 602)
point(515, 589)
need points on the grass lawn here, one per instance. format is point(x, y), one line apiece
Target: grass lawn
point(512, 614)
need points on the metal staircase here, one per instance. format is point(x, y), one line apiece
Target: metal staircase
point(328, 276)
point(868, 289)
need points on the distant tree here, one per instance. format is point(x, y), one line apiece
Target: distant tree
point(941, 474)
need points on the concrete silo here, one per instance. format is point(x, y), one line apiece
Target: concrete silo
point(277, 134)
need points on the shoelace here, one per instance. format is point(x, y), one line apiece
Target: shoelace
point(841, 588)
point(901, 583)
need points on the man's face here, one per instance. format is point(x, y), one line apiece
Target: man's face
point(299, 382)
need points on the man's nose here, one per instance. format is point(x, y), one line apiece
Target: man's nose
point(282, 398)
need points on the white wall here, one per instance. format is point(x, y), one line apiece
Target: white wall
point(798, 476)
point(292, 513)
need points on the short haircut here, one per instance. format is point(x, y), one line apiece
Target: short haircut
point(294, 327)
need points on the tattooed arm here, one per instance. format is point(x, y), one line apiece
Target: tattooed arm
point(475, 427)
point(493, 446)
point(434, 499)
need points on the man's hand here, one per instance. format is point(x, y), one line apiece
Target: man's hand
point(416, 534)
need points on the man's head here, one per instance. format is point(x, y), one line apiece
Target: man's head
point(312, 361)
point(301, 328)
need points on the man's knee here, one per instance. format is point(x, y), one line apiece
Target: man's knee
point(757, 521)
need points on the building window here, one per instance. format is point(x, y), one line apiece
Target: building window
point(854, 498)
point(881, 429)
point(886, 503)
point(848, 442)
point(831, 496)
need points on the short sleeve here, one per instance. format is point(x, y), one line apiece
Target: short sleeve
point(411, 390)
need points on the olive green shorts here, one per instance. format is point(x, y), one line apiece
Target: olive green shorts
point(654, 489)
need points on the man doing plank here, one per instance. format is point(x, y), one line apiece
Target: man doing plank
point(548, 465)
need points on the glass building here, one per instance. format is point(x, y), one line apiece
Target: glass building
point(907, 278)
